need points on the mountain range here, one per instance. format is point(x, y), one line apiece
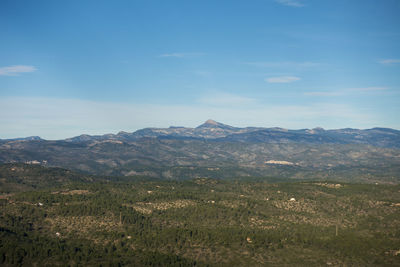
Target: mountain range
point(218, 150)
point(380, 137)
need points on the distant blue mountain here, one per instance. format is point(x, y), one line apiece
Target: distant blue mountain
point(212, 130)
point(380, 137)
point(29, 138)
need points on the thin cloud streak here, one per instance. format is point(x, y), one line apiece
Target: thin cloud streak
point(369, 89)
point(182, 55)
point(324, 94)
point(16, 70)
point(202, 73)
point(292, 3)
point(283, 64)
point(389, 61)
point(347, 92)
point(282, 79)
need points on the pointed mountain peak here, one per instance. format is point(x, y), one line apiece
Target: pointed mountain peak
point(214, 124)
point(211, 122)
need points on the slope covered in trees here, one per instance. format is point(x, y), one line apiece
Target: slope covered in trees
point(201, 222)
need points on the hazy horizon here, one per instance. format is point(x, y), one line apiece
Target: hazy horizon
point(184, 126)
point(97, 67)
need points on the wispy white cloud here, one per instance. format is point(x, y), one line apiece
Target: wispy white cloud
point(283, 64)
point(324, 93)
point(16, 70)
point(282, 79)
point(173, 55)
point(226, 99)
point(390, 61)
point(292, 3)
point(369, 89)
point(202, 73)
point(182, 55)
point(346, 92)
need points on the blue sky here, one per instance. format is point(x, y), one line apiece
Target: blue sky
point(96, 67)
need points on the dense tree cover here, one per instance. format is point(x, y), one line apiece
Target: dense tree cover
point(201, 222)
point(191, 158)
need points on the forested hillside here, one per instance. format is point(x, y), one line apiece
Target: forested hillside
point(199, 222)
point(187, 159)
